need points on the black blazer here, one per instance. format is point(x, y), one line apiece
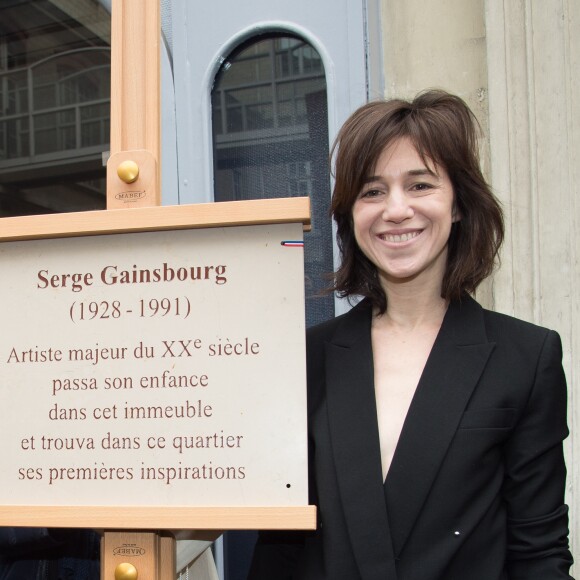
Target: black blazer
point(475, 490)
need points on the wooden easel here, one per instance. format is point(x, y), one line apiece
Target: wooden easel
point(133, 180)
point(135, 543)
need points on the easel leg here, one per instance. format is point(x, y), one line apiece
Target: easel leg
point(148, 555)
point(166, 557)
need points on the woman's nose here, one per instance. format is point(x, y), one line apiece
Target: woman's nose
point(397, 208)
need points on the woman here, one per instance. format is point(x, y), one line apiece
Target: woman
point(435, 426)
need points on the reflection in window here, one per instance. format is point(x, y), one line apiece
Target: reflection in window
point(54, 106)
point(270, 132)
point(270, 139)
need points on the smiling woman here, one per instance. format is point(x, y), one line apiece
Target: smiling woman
point(451, 464)
point(443, 134)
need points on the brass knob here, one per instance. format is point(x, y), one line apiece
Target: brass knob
point(128, 171)
point(125, 571)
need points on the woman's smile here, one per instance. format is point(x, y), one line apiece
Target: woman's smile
point(399, 237)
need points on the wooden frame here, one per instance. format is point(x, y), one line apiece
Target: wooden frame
point(162, 517)
point(207, 215)
point(225, 214)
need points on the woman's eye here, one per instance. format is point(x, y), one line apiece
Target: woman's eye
point(370, 193)
point(421, 187)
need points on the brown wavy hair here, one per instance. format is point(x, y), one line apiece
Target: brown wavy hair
point(444, 131)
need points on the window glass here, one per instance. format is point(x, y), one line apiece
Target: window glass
point(54, 106)
point(270, 139)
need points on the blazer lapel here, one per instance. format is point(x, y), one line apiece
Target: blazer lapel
point(455, 364)
point(355, 443)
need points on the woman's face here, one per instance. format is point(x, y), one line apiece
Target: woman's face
point(402, 217)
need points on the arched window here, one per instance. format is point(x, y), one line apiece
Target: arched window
point(270, 139)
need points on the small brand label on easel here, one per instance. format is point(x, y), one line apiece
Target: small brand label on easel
point(129, 550)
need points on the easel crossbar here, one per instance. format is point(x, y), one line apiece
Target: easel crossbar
point(157, 218)
point(161, 517)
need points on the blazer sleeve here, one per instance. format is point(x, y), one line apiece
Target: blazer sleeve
point(536, 474)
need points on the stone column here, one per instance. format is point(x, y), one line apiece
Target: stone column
point(533, 55)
